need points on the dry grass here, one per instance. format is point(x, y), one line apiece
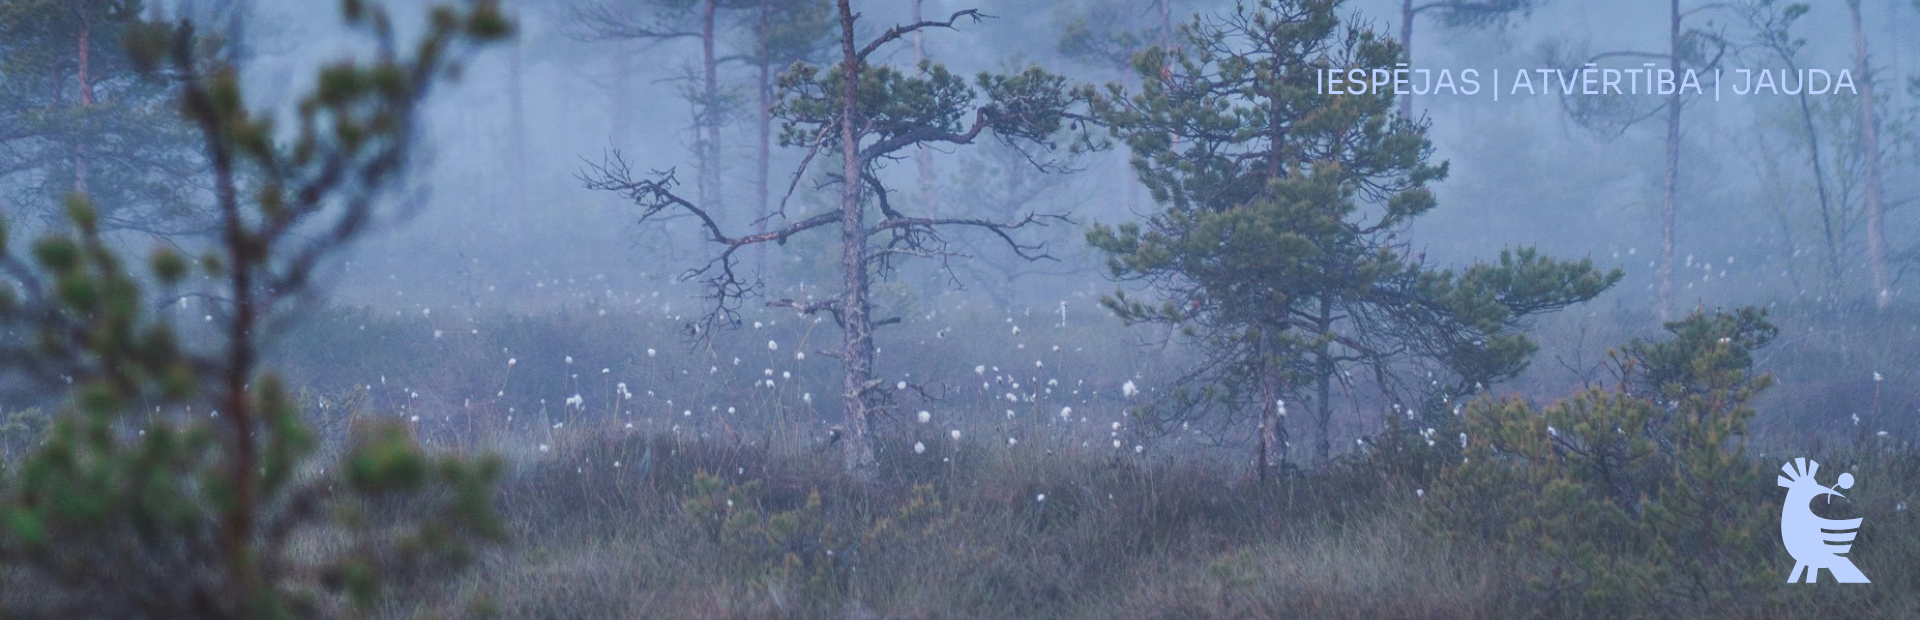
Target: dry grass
point(1115, 539)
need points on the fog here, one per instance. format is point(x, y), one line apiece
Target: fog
point(500, 304)
point(507, 225)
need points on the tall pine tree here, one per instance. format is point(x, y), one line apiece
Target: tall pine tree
point(1277, 247)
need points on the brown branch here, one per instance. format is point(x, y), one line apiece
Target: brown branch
point(894, 33)
point(997, 228)
point(927, 133)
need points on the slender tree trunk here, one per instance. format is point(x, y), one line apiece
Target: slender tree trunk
point(1273, 433)
point(710, 107)
point(1870, 144)
point(1323, 384)
point(922, 158)
point(1406, 46)
point(237, 33)
point(763, 156)
point(622, 92)
point(236, 408)
point(517, 125)
point(1166, 23)
point(1668, 205)
point(857, 355)
point(1820, 188)
point(86, 99)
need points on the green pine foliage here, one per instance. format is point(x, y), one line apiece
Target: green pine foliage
point(1278, 244)
point(122, 141)
point(1641, 497)
point(178, 478)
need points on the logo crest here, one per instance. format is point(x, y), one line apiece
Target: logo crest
point(1815, 542)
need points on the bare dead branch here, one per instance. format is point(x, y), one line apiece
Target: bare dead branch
point(894, 33)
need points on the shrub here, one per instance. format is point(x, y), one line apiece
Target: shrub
point(178, 479)
point(1638, 497)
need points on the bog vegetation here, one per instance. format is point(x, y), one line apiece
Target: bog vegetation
point(190, 430)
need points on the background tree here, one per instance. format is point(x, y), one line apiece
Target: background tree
point(668, 20)
point(1870, 151)
point(1459, 14)
point(1772, 23)
point(867, 114)
point(179, 480)
point(784, 32)
point(1687, 49)
point(1277, 249)
point(76, 116)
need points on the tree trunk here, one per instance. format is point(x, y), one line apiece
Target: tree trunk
point(857, 354)
point(709, 110)
point(763, 157)
point(1323, 383)
point(922, 158)
point(86, 100)
point(1406, 47)
point(1820, 188)
point(236, 406)
point(1166, 23)
point(1870, 144)
point(1668, 205)
point(923, 161)
point(517, 125)
point(622, 92)
point(1273, 434)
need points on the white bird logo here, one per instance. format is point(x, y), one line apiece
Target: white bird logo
point(1807, 535)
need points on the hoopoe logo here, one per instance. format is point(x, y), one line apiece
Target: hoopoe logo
point(1807, 535)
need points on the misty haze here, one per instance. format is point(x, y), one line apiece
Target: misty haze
point(959, 309)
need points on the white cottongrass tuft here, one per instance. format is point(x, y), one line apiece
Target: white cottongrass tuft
point(576, 402)
point(919, 448)
point(1066, 413)
point(773, 346)
point(955, 434)
point(925, 417)
point(512, 360)
point(1128, 389)
point(650, 352)
point(544, 448)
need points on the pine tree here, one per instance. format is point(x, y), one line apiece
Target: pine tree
point(76, 116)
point(180, 479)
point(860, 115)
point(1277, 246)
